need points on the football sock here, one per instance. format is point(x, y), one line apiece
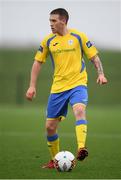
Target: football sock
point(81, 132)
point(53, 145)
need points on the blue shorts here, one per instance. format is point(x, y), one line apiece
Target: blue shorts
point(58, 102)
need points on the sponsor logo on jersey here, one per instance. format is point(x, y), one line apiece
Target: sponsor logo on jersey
point(63, 50)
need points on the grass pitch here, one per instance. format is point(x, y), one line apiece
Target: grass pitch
point(23, 144)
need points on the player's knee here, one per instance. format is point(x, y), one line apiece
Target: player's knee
point(79, 112)
point(50, 127)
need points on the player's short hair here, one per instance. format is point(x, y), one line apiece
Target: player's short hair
point(61, 12)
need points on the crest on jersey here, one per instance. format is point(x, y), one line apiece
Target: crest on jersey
point(70, 42)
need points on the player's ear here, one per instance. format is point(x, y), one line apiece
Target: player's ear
point(63, 20)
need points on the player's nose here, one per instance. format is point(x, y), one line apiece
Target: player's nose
point(51, 25)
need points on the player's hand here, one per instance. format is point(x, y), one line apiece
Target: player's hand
point(101, 79)
point(31, 92)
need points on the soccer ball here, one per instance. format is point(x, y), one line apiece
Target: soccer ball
point(64, 161)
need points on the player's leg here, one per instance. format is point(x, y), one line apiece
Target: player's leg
point(78, 101)
point(81, 124)
point(52, 141)
point(52, 137)
point(81, 130)
point(56, 111)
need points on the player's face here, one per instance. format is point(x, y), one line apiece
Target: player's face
point(56, 23)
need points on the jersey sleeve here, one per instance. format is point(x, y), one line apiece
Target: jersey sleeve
point(42, 52)
point(88, 47)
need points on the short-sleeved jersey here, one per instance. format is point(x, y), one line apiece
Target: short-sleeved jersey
point(66, 53)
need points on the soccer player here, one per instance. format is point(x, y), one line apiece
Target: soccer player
point(66, 48)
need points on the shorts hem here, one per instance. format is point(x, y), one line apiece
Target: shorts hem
point(60, 118)
point(78, 104)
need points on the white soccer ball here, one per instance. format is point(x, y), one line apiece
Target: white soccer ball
point(64, 161)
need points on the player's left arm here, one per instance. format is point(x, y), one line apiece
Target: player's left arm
point(101, 79)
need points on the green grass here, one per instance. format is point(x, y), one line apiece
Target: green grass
point(23, 144)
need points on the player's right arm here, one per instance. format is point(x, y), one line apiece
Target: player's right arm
point(31, 92)
point(40, 58)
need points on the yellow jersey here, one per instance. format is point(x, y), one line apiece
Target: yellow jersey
point(66, 53)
